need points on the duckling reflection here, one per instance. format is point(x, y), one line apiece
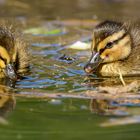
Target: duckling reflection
point(115, 49)
point(91, 81)
point(106, 107)
point(7, 101)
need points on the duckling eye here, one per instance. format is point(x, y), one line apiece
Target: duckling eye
point(109, 45)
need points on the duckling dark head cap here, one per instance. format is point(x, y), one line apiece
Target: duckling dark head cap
point(107, 28)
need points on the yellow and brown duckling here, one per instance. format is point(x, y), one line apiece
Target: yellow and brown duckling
point(14, 57)
point(115, 49)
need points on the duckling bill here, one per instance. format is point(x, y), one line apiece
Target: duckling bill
point(14, 56)
point(115, 48)
point(10, 72)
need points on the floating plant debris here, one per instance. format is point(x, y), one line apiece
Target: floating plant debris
point(79, 45)
point(44, 31)
point(68, 59)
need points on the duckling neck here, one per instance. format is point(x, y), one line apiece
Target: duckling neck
point(114, 68)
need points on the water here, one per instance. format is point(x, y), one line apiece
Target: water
point(28, 112)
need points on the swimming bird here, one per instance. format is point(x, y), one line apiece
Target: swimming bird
point(115, 49)
point(14, 56)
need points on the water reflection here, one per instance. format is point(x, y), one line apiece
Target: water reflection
point(43, 116)
point(7, 101)
point(107, 107)
point(117, 110)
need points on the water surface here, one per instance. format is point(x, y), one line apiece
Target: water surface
point(27, 112)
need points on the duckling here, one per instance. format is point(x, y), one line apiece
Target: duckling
point(14, 56)
point(115, 49)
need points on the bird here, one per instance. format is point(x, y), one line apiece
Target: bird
point(14, 53)
point(115, 49)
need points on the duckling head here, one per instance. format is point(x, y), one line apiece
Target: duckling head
point(6, 64)
point(111, 42)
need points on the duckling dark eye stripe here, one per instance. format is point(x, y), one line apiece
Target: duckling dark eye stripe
point(102, 50)
point(4, 60)
point(113, 42)
point(116, 41)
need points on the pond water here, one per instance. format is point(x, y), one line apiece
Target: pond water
point(31, 110)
